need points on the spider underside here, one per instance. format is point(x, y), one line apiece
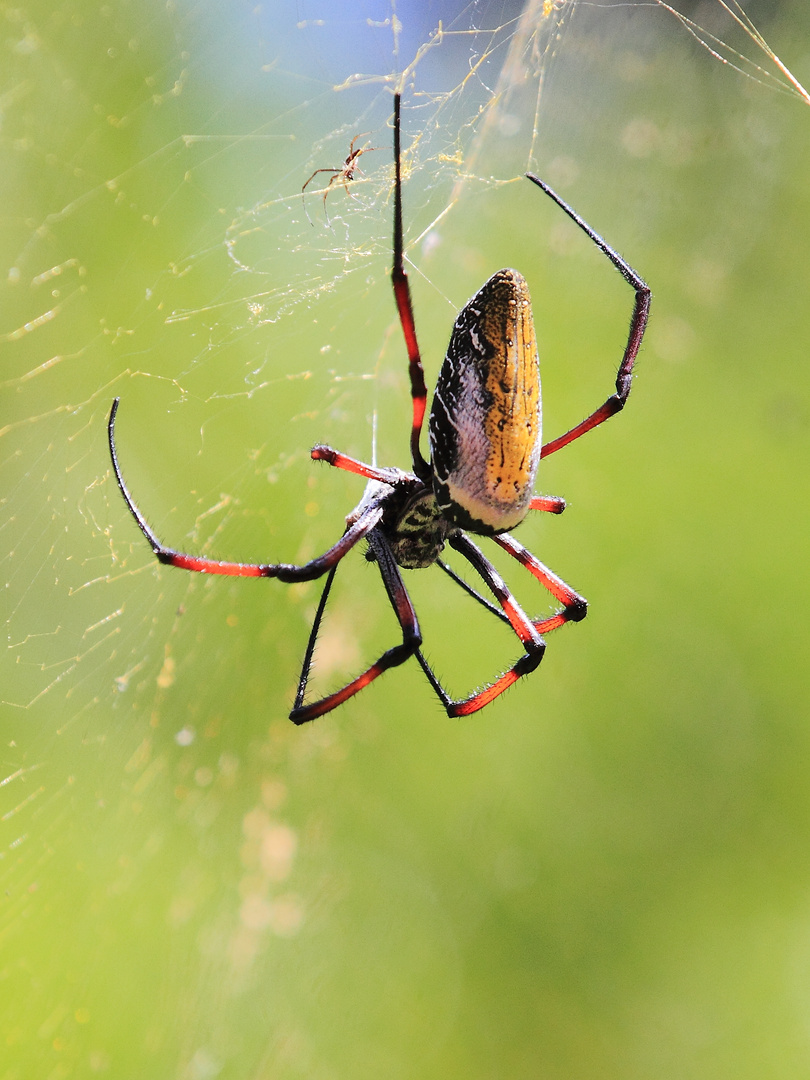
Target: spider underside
point(485, 447)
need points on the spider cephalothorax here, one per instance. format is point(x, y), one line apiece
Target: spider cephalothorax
point(485, 448)
point(419, 531)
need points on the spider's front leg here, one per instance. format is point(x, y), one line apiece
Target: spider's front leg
point(392, 476)
point(638, 324)
point(357, 529)
point(402, 296)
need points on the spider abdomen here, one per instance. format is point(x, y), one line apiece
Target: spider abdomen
point(485, 421)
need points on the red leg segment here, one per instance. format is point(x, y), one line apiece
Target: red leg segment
point(551, 504)
point(520, 622)
point(343, 461)
point(411, 637)
point(283, 571)
point(638, 325)
point(575, 606)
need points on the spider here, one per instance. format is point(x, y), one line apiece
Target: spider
point(345, 172)
point(485, 447)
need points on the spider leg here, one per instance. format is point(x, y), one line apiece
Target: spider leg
point(411, 636)
point(310, 649)
point(402, 295)
point(575, 607)
point(334, 172)
point(368, 518)
point(350, 175)
point(482, 600)
point(343, 461)
point(335, 176)
point(356, 153)
point(552, 504)
point(520, 622)
point(638, 324)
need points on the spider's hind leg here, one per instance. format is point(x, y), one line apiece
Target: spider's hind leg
point(575, 607)
point(526, 630)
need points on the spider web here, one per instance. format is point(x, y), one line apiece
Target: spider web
point(166, 254)
point(208, 276)
point(159, 248)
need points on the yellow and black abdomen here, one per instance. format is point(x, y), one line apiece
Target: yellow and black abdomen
point(485, 421)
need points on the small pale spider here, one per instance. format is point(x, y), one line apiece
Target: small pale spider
point(343, 174)
point(485, 447)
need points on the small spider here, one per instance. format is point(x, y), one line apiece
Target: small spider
point(485, 447)
point(344, 173)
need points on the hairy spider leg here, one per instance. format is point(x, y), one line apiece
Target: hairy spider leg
point(406, 615)
point(551, 504)
point(638, 324)
point(520, 622)
point(352, 465)
point(575, 607)
point(402, 295)
point(366, 521)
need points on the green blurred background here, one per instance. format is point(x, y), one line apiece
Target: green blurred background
point(605, 874)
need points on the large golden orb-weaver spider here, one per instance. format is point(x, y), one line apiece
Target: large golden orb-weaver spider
point(485, 446)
